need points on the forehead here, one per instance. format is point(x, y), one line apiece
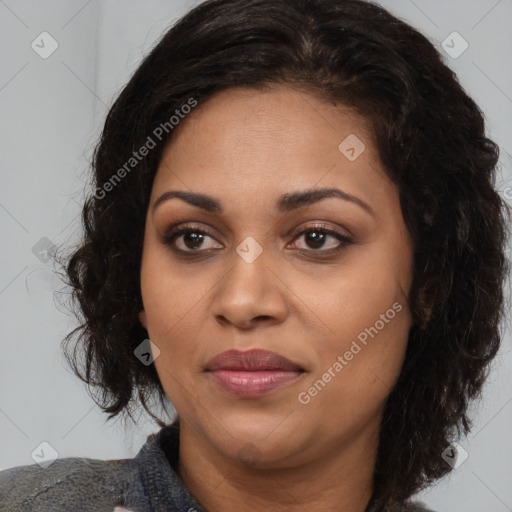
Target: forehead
point(267, 142)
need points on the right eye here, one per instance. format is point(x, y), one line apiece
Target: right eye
point(192, 239)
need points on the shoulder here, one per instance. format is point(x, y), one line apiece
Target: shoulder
point(62, 485)
point(418, 506)
point(408, 506)
point(146, 482)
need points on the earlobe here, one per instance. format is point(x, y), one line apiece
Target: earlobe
point(142, 319)
point(426, 318)
point(425, 312)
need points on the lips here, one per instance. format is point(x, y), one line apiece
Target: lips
point(252, 373)
point(251, 360)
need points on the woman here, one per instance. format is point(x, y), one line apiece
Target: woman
point(294, 238)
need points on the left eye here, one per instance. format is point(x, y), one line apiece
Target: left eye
point(316, 238)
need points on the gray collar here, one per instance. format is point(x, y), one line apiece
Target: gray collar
point(152, 483)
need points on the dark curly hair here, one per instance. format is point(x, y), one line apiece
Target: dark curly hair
point(431, 138)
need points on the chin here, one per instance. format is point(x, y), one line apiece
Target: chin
point(258, 438)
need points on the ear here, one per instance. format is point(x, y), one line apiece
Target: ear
point(143, 319)
point(426, 317)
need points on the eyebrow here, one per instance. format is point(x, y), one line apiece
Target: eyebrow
point(285, 203)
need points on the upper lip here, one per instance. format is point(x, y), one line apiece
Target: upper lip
point(251, 360)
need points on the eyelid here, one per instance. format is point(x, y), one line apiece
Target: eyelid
point(172, 232)
point(320, 225)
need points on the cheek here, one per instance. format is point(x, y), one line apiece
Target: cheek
point(369, 322)
point(355, 296)
point(170, 296)
point(174, 307)
point(361, 361)
point(176, 327)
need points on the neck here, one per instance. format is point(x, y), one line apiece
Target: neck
point(342, 479)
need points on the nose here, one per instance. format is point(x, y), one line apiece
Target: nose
point(250, 294)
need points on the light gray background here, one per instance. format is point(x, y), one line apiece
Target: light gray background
point(52, 110)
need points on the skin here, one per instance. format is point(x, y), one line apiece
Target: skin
point(246, 147)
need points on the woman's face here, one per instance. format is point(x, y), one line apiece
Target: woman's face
point(335, 308)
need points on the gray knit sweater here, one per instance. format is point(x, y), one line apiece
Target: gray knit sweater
point(146, 483)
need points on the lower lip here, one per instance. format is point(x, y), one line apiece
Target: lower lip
point(255, 383)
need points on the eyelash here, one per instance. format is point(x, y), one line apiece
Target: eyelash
point(171, 236)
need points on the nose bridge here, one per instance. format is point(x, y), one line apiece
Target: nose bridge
point(250, 260)
point(249, 289)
